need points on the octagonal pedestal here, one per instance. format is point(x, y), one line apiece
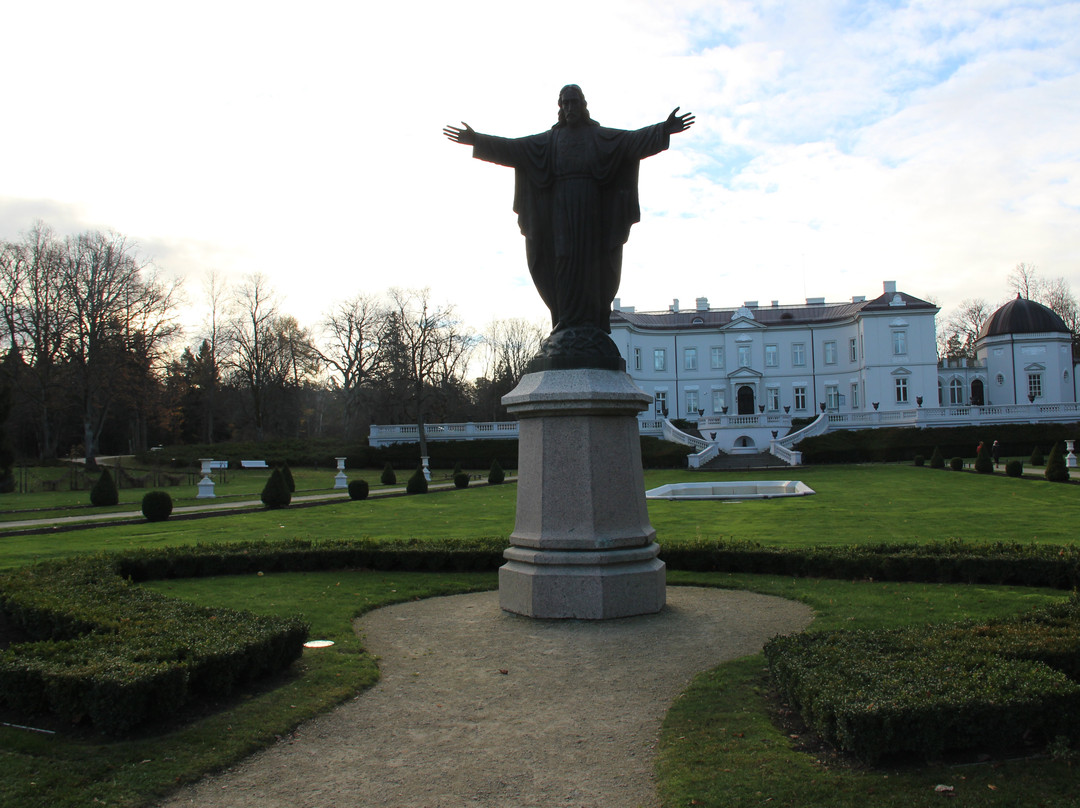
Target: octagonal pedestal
point(582, 545)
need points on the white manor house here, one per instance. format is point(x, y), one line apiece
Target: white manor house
point(742, 374)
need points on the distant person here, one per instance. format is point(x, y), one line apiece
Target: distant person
point(995, 452)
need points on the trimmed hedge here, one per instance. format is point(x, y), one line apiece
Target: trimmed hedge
point(116, 655)
point(930, 689)
point(901, 444)
point(952, 561)
point(358, 489)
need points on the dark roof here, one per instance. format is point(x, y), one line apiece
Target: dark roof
point(808, 314)
point(1022, 316)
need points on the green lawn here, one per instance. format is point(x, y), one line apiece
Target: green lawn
point(231, 485)
point(718, 747)
point(853, 505)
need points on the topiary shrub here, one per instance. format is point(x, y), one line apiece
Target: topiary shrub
point(457, 470)
point(1015, 468)
point(937, 459)
point(388, 477)
point(104, 491)
point(1036, 458)
point(286, 474)
point(417, 483)
point(358, 489)
point(957, 464)
point(156, 506)
point(275, 493)
point(920, 460)
point(461, 480)
point(984, 463)
point(496, 475)
point(1056, 470)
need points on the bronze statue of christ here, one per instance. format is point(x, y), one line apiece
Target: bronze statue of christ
point(576, 198)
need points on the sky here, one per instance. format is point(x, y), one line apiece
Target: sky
point(837, 144)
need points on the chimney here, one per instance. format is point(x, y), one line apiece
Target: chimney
point(890, 287)
point(703, 304)
point(675, 305)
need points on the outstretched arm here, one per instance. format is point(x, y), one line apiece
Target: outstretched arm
point(676, 123)
point(466, 136)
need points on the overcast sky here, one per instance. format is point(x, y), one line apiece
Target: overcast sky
point(837, 144)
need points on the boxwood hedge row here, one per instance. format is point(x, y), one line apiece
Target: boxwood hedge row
point(115, 655)
point(931, 689)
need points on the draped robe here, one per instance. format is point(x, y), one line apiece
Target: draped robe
point(576, 198)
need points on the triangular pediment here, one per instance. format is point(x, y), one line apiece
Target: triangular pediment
point(745, 373)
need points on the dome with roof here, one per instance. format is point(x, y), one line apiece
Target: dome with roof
point(1022, 316)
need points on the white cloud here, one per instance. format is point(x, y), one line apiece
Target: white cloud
point(836, 145)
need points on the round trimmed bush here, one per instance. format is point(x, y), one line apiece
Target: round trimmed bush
point(388, 476)
point(358, 489)
point(920, 460)
point(957, 464)
point(275, 493)
point(104, 491)
point(461, 480)
point(496, 475)
point(417, 484)
point(156, 506)
point(1015, 468)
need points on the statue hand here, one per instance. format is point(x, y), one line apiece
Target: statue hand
point(466, 136)
point(678, 123)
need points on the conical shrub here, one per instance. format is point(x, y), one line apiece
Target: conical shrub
point(388, 477)
point(104, 491)
point(1056, 470)
point(275, 493)
point(286, 474)
point(496, 475)
point(417, 483)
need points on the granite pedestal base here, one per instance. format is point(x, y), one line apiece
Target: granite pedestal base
point(582, 545)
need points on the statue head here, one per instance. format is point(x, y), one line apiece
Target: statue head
point(573, 109)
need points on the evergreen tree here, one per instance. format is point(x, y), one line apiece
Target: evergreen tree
point(496, 475)
point(286, 474)
point(418, 482)
point(388, 476)
point(984, 464)
point(937, 459)
point(104, 491)
point(1056, 470)
point(275, 493)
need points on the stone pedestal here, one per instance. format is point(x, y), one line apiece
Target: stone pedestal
point(582, 545)
point(340, 480)
point(206, 484)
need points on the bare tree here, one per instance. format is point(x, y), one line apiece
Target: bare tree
point(430, 348)
point(116, 305)
point(254, 344)
point(354, 348)
point(508, 347)
point(962, 328)
point(37, 319)
point(1024, 281)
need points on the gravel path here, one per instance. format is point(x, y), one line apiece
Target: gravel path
point(480, 708)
